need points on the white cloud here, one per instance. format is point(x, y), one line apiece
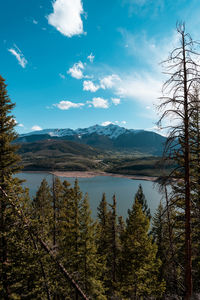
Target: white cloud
point(106, 123)
point(88, 85)
point(99, 102)
point(65, 105)
point(116, 101)
point(62, 75)
point(20, 125)
point(123, 122)
point(19, 56)
point(36, 128)
point(148, 107)
point(66, 17)
point(109, 81)
point(140, 87)
point(91, 57)
point(76, 70)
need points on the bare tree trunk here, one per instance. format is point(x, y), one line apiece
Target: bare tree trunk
point(188, 254)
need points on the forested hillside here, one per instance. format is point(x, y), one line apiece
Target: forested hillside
point(51, 248)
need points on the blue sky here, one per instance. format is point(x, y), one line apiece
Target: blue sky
point(73, 63)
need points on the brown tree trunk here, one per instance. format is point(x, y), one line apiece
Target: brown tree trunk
point(188, 261)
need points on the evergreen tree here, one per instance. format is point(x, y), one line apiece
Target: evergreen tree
point(57, 196)
point(102, 239)
point(19, 266)
point(42, 208)
point(195, 186)
point(142, 200)
point(141, 267)
point(164, 235)
point(9, 165)
point(89, 266)
point(113, 251)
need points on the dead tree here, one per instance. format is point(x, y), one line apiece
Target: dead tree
point(177, 103)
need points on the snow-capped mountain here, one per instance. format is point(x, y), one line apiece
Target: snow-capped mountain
point(111, 137)
point(112, 131)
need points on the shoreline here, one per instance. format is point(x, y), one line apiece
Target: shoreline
point(91, 174)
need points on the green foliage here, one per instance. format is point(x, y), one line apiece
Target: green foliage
point(141, 266)
point(90, 268)
point(142, 200)
point(108, 258)
point(42, 208)
point(9, 165)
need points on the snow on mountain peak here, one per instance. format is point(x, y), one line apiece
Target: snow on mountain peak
point(111, 130)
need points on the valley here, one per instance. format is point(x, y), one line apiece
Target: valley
point(110, 149)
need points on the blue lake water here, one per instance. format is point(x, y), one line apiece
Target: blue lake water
point(123, 188)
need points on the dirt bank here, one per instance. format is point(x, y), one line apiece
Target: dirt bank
point(90, 174)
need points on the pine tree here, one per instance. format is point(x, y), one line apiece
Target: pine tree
point(102, 239)
point(141, 267)
point(57, 196)
point(42, 208)
point(142, 200)
point(18, 257)
point(195, 185)
point(89, 266)
point(9, 165)
point(113, 250)
point(164, 235)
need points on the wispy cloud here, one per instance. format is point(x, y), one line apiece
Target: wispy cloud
point(66, 17)
point(139, 87)
point(88, 85)
point(77, 70)
point(19, 56)
point(108, 82)
point(144, 87)
point(65, 105)
point(149, 51)
point(143, 6)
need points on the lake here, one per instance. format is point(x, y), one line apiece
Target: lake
point(123, 188)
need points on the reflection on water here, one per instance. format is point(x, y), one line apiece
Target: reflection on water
point(123, 188)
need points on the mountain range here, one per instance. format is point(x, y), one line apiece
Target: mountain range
point(111, 137)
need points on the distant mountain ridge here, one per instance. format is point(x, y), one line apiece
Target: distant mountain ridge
point(111, 137)
point(111, 130)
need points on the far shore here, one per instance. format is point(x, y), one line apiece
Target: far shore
point(90, 174)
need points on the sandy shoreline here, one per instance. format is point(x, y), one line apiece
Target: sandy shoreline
point(90, 174)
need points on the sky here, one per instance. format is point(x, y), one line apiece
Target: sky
point(77, 63)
